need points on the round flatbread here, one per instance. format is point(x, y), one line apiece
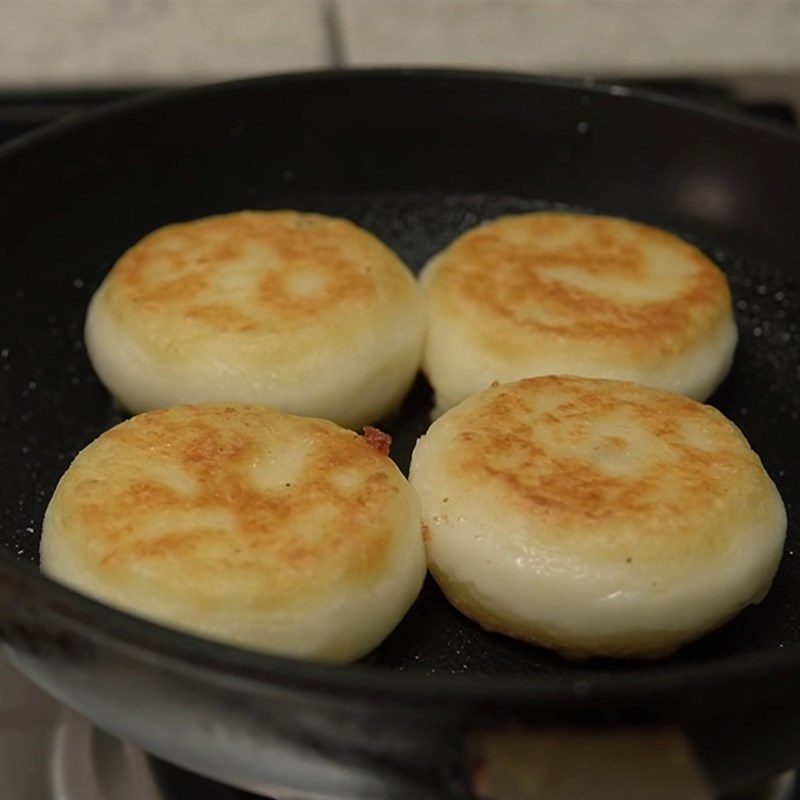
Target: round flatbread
point(302, 312)
point(551, 293)
point(241, 524)
point(596, 517)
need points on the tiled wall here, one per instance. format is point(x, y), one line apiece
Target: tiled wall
point(619, 37)
point(151, 41)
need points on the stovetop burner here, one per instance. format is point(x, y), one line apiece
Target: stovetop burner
point(87, 764)
point(48, 752)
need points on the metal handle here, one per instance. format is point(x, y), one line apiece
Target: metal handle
point(585, 764)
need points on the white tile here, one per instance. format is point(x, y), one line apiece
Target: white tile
point(157, 41)
point(612, 37)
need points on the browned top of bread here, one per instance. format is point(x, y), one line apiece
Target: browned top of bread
point(576, 278)
point(240, 496)
point(256, 279)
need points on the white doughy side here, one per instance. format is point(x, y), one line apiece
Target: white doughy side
point(352, 386)
point(458, 366)
point(584, 607)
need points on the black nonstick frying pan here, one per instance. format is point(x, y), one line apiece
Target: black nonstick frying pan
point(442, 708)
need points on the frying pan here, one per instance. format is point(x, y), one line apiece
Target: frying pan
point(441, 708)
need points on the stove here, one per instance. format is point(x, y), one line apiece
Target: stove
point(48, 752)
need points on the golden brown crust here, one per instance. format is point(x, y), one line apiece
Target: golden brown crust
point(587, 457)
point(577, 278)
point(249, 275)
point(236, 493)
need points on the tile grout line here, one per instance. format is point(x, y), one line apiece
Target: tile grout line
point(333, 33)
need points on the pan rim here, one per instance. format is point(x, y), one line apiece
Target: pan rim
point(184, 653)
point(223, 663)
point(156, 96)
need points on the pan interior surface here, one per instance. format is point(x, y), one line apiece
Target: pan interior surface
point(51, 405)
point(416, 157)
